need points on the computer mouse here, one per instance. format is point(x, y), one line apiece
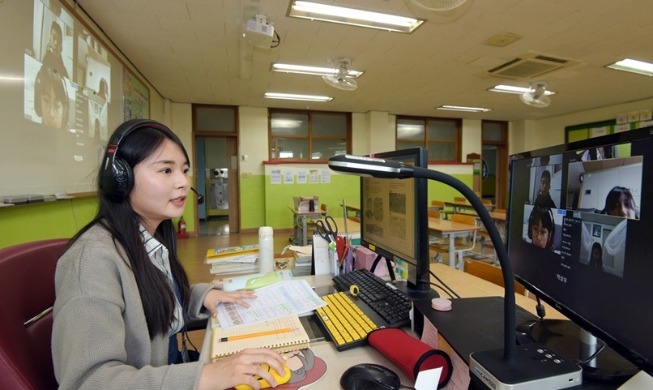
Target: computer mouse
point(369, 376)
point(281, 378)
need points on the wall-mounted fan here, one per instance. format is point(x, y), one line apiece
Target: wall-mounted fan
point(536, 97)
point(340, 78)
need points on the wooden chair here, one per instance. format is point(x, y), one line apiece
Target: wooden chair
point(437, 242)
point(437, 205)
point(27, 288)
point(491, 273)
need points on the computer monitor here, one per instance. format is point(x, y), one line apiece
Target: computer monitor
point(394, 220)
point(579, 238)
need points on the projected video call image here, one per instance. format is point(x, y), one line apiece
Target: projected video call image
point(67, 79)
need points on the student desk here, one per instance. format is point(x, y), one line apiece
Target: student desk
point(464, 284)
point(300, 224)
point(452, 230)
point(337, 362)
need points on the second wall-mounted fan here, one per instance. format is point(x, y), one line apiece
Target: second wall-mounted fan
point(536, 97)
point(340, 77)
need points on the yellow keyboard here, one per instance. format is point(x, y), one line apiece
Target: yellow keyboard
point(345, 322)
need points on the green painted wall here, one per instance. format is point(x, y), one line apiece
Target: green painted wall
point(279, 199)
point(59, 219)
point(252, 201)
point(40, 221)
point(262, 203)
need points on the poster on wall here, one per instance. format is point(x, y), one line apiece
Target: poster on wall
point(136, 97)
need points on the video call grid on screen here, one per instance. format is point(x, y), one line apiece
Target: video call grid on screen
point(564, 268)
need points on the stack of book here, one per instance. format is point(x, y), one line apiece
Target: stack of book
point(234, 259)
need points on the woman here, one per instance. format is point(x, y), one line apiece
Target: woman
point(122, 294)
point(51, 98)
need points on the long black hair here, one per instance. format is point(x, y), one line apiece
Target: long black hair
point(119, 218)
point(612, 200)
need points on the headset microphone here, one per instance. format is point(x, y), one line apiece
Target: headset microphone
point(200, 197)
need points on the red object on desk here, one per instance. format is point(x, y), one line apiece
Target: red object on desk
point(410, 354)
point(340, 247)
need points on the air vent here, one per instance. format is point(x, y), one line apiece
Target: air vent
point(530, 65)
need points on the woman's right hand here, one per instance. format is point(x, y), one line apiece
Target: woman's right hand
point(240, 368)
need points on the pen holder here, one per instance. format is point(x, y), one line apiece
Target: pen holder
point(413, 356)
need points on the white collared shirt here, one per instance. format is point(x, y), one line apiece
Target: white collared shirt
point(158, 254)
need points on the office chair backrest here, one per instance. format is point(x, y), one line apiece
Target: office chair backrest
point(27, 291)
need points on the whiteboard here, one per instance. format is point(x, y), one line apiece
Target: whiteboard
point(61, 97)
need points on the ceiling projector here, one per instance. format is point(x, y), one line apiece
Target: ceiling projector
point(258, 32)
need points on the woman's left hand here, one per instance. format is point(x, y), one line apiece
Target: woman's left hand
point(216, 296)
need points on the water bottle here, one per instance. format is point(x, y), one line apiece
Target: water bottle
point(265, 249)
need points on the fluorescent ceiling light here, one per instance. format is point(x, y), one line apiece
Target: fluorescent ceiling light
point(292, 96)
point(515, 90)
point(634, 66)
point(462, 108)
point(11, 79)
point(354, 17)
point(312, 70)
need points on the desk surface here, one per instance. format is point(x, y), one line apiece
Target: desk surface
point(446, 226)
point(464, 284)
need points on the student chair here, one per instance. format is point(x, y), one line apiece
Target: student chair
point(27, 290)
point(464, 243)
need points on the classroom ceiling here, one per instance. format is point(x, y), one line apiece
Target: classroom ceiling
point(191, 51)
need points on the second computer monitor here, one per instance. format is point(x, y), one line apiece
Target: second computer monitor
point(394, 219)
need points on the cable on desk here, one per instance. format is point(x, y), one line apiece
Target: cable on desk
point(448, 289)
point(539, 307)
point(443, 289)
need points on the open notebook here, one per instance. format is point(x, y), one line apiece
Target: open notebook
point(283, 341)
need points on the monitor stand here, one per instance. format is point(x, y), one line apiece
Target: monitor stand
point(574, 343)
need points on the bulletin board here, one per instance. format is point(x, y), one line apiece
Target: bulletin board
point(62, 94)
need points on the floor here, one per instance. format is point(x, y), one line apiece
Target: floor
point(214, 226)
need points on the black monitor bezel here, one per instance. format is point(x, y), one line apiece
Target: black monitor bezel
point(419, 156)
point(643, 134)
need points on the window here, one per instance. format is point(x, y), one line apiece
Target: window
point(440, 136)
point(308, 135)
point(214, 119)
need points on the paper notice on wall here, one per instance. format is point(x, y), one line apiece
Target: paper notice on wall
point(275, 176)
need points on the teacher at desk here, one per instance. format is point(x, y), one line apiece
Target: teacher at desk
point(121, 293)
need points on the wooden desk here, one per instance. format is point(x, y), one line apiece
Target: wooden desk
point(353, 226)
point(337, 362)
point(469, 286)
point(300, 224)
point(466, 285)
point(452, 230)
point(352, 208)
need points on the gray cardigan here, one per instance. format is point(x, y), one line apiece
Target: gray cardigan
point(100, 337)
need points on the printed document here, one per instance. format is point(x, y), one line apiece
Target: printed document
point(276, 300)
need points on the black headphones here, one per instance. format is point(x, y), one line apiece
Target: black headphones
point(116, 176)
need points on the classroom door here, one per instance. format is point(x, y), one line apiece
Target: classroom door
point(217, 171)
point(494, 170)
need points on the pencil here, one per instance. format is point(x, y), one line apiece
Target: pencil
point(256, 334)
